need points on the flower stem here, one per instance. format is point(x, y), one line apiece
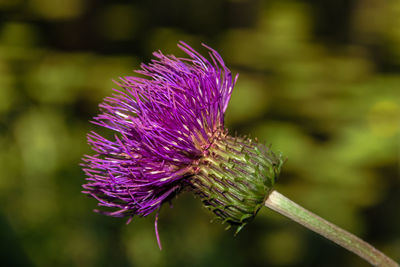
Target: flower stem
point(288, 208)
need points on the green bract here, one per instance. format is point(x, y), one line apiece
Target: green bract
point(235, 177)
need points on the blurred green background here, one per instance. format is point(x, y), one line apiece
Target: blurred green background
point(319, 80)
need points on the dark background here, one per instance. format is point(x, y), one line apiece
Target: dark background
point(319, 80)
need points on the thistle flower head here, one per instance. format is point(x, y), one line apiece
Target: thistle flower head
point(163, 124)
point(169, 134)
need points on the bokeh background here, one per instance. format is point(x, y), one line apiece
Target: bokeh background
point(319, 80)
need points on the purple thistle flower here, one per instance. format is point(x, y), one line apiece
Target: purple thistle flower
point(163, 125)
point(169, 135)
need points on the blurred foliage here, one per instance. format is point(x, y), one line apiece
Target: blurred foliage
point(320, 80)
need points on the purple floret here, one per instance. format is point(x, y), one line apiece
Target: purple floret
point(163, 124)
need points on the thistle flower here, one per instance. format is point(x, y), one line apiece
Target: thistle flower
point(170, 135)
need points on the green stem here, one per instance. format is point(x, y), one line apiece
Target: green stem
point(288, 208)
